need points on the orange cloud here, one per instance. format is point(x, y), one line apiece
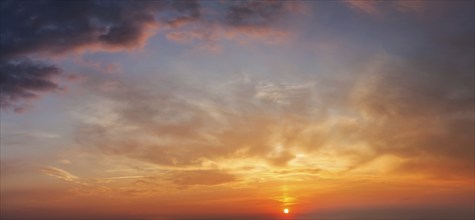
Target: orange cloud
point(200, 177)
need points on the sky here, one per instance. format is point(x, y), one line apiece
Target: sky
point(151, 110)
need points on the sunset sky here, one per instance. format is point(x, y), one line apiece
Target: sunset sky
point(146, 110)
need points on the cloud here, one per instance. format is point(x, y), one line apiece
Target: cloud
point(24, 79)
point(383, 8)
point(421, 108)
point(307, 171)
point(282, 93)
point(37, 27)
point(104, 67)
point(200, 177)
point(209, 37)
point(53, 28)
point(59, 173)
point(411, 6)
point(368, 7)
point(389, 110)
point(254, 13)
point(239, 21)
point(197, 126)
point(413, 108)
point(244, 34)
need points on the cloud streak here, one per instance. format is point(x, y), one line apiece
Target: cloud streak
point(200, 177)
point(59, 173)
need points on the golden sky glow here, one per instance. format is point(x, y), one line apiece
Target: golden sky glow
point(237, 110)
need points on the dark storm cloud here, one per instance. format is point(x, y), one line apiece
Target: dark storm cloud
point(250, 13)
point(55, 27)
point(62, 26)
point(24, 79)
point(30, 28)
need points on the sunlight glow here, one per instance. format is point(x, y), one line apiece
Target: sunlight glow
point(286, 211)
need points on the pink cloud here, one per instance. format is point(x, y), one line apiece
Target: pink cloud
point(410, 6)
point(105, 67)
point(368, 7)
point(209, 36)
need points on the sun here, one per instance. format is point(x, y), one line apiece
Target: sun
point(286, 211)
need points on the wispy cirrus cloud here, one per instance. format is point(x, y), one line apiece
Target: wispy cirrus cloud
point(210, 36)
point(59, 173)
point(187, 140)
point(415, 6)
point(200, 177)
point(369, 7)
point(382, 8)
